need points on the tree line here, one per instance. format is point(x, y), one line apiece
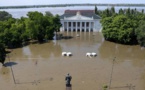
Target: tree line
point(16, 32)
point(127, 26)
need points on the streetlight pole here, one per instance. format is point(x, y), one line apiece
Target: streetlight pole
point(111, 73)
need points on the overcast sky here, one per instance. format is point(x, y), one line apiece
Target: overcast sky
point(45, 2)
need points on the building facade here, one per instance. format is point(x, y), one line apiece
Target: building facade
point(80, 20)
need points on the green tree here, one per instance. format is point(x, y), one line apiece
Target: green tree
point(96, 10)
point(123, 27)
point(52, 26)
point(142, 11)
point(14, 32)
point(106, 13)
point(56, 23)
point(4, 15)
point(22, 29)
point(121, 11)
point(47, 13)
point(2, 53)
point(34, 25)
point(140, 32)
point(112, 11)
point(119, 29)
point(41, 26)
point(128, 12)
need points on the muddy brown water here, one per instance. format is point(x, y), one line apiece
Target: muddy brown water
point(42, 67)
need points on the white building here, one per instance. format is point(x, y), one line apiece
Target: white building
point(80, 20)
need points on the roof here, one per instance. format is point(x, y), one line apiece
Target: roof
point(87, 13)
point(81, 11)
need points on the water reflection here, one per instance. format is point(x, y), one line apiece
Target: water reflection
point(37, 51)
point(44, 50)
point(90, 38)
point(134, 54)
point(44, 61)
point(17, 13)
point(26, 50)
point(86, 42)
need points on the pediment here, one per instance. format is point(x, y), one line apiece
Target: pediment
point(78, 17)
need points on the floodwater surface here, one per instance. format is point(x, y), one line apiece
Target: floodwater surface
point(42, 67)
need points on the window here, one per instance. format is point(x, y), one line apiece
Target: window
point(69, 24)
point(87, 24)
point(74, 24)
point(83, 24)
point(78, 24)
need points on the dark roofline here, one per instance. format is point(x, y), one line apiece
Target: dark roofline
point(81, 11)
point(87, 13)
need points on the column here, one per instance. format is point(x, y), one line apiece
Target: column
point(85, 26)
point(67, 26)
point(94, 26)
point(76, 26)
point(89, 26)
point(62, 26)
point(80, 26)
point(71, 26)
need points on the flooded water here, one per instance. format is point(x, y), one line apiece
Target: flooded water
point(42, 67)
point(18, 13)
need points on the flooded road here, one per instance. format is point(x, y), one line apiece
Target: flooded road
point(42, 67)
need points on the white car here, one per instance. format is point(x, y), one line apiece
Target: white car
point(64, 53)
point(69, 54)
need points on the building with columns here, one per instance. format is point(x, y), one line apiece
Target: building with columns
point(80, 21)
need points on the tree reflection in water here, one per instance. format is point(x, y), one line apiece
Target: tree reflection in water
point(44, 50)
